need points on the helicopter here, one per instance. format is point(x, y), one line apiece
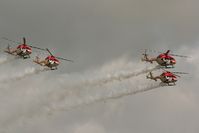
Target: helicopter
point(50, 61)
point(167, 77)
point(165, 60)
point(23, 50)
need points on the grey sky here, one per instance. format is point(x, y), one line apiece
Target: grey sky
point(94, 33)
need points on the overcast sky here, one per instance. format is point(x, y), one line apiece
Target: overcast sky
point(96, 32)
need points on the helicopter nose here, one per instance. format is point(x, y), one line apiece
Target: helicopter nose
point(174, 79)
point(29, 51)
point(173, 61)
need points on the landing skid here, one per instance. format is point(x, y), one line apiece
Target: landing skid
point(26, 57)
point(167, 67)
point(166, 84)
point(55, 68)
point(171, 84)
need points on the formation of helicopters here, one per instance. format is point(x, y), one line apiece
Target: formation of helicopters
point(165, 61)
point(24, 50)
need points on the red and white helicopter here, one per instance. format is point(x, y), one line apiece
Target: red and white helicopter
point(164, 59)
point(167, 77)
point(22, 50)
point(50, 61)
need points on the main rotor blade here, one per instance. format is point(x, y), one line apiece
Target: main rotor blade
point(64, 59)
point(176, 75)
point(4, 38)
point(180, 72)
point(149, 50)
point(174, 72)
point(167, 52)
point(179, 55)
point(24, 40)
point(37, 48)
point(164, 70)
point(49, 52)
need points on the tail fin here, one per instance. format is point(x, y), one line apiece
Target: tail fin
point(8, 48)
point(150, 76)
point(37, 59)
point(145, 58)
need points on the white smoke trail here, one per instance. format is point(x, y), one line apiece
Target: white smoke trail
point(63, 101)
point(71, 98)
point(89, 95)
point(2, 60)
point(55, 96)
point(20, 75)
point(118, 70)
point(120, 76)
point(5, 59)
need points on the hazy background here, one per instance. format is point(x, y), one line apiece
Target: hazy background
point(93, 33)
